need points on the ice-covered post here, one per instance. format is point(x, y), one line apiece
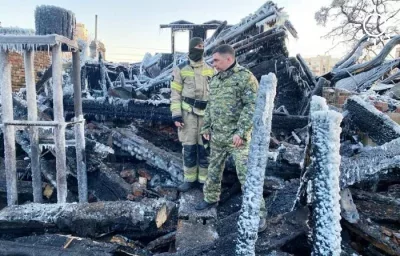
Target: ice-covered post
point(256, 164)
point(79, 130)
point(33, 130)
point(58, 109)
point(317, 104)
point(325, 196)
point(103, 75)
point(8, 130)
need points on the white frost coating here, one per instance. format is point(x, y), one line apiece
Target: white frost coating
point(267, 20)
point(84, 54)
point(326, 159)
point(263, 12)
point(142, 149)
point(9, 131)
point(103, 82)
point(165, 90)
point(395, 126)
point(256, 164)
point(59, 139)
point(370, 162)
point(318, 103)
point(103, 149)
point(355, 56)
point(273, 155)
point(16, 31)
point(372, 96)
point(365, 79)
point(51, 213)
point(33, 131)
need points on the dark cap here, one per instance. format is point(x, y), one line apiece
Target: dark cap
point(194, 42)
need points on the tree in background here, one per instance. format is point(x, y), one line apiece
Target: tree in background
point(352, 19)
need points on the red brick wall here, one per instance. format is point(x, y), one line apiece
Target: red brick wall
point(337, 98)
point(41, 62)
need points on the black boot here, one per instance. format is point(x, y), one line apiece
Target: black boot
point(203, 205)
point(186, 186)
point(262, 225)
point(200, 186)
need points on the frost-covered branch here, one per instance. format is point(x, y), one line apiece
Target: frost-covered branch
point(346, 17)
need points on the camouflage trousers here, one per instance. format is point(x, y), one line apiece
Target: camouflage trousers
point(195, 161)
point(219, 153)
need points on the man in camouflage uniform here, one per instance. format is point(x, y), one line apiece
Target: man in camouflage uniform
point(189, 96)
point(228, 123)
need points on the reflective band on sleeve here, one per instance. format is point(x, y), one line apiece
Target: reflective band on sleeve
point(176, 86)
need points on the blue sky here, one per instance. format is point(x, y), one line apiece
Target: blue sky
point(129, 29)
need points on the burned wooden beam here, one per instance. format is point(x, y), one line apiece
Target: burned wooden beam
point(377, 207)
point(351, 53)
point(94, 218)
point(265, 11)
point(281, 230)
point(317, 91)
point(282, 200)
point(376, 235)
point(217, 31)
point(101, 109)
point(362, 67)
point(288, 123)
point(286, 163)
point(379, 127)
point(161, 242)
point(363, 81)
point(17, 248)
point(307, 70)
point(369, 162)
point(255, 43)
point(69, 243)
point(127, 140)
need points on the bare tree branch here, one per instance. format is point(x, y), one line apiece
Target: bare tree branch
point(348, 16)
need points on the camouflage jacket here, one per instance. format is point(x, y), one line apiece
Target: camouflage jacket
point(231, 104)
point(190, 80)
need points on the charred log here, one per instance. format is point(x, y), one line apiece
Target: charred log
point(378, 207)
point(157, 111)
point(374, 234)
point(379, 127)
point(143, 150)
point(281, 230)
point(93, 219)
point(358, 68)
point(368, 163)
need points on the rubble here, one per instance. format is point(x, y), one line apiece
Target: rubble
point(126, 144)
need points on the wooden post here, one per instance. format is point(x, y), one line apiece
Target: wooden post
point(172, 41)
point(8, 130)
point(79, 131)
point(33, 130)
point(60, 129)
point(259, 146)
point(325, 196)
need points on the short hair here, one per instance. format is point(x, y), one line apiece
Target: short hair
point(225, 49)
